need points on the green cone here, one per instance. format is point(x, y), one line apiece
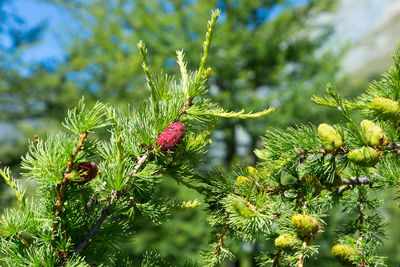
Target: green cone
point(242, 180)
point(305, 224)
point(251, 170)
point(374, 134)
point(286, 241)
point(343, 254)
point(365, 156)
point(385, 106)
point(329, 137)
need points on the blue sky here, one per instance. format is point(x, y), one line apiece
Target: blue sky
point(55, 37)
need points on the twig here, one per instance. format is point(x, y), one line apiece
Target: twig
point(277, 189)
point(22, 239)
point(131, 200)
point(280, 188)
point(357, 180)
point(90, 202)
point(221, 241)
point(251, 206)
point(301, 256)
point(62, 186)
point(304, 206)
point(344, 189)
point(207, 42)
point(96, 227)
point(360, 227)
point(277, 257)
point(115, 195)
point(188, 103)
point(70, 164)
point(351, 182)
point(361, 217)
point(103, 199)
point(394, 147)
point(140, 162)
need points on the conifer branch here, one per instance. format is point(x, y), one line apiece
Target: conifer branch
point(207, 42)
point(19, 194)
point(140, 162)
point(96, 226)
point(93, 199)
point(145, 66)
point(61, 187)
point(52, 165)
point(182, 67)
point(115, 195)
point(18, 234)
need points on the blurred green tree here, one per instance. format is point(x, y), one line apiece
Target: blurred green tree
point(16, 99)
point(264, 52)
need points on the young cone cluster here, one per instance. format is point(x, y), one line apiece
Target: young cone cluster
point(242, 180)
point(387, 107)
point(305, 224)
point(251, 170)
point(286, 241)
point(171, 137)
point(329, 137)
point(87, 171)
point(374, 134)
point(343, 254)
point(365, 156)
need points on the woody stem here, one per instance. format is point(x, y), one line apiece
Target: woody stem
point(19, 235)
point(61, 187)
point(277, 257)
point(301, 256)
point(221, 241)
point(360, 227)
